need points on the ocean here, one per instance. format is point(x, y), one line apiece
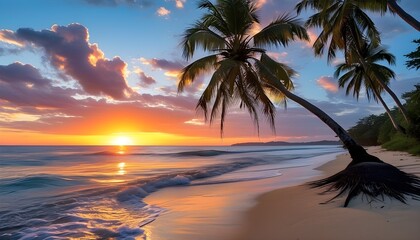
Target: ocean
point(98, 192)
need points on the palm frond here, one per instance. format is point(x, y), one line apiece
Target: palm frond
point(280, 32)
point(253, 83)
point(193, 70)
point(200, 36)
point(281, 71)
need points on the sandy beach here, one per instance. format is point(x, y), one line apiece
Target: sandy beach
point(297, 212)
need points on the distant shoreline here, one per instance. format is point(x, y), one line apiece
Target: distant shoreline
point(281, 143)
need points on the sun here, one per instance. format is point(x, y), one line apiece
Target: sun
point(122, 141)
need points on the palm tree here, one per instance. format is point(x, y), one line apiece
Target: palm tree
point(343, 24)
point(344, 27)
point(244, 75)
point(363, 71)
point(383, 5)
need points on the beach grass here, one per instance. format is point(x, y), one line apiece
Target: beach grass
point(403, 143)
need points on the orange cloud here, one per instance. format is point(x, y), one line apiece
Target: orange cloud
point(171, 68)
point(9, 37)
point(163, 12)
point(328, 84)
point(180, 3)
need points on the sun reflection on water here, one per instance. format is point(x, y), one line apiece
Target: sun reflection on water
point(121, 168)
point(121, 150)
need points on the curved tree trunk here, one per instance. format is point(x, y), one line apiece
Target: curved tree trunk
point(365, 174)
point(382, 83)
point(394, 7)
point(388, 111)
point(397, 101)
point(357, 152)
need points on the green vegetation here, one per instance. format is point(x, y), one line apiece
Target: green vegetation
point(414, 57)
point(378, 130)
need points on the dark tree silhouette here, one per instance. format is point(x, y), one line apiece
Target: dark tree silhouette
point(244, 75)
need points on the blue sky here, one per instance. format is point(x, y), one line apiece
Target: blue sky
point(139, 40)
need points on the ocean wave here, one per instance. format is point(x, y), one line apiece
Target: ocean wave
point(108, 209)
point(136, 190)
point(36, 181)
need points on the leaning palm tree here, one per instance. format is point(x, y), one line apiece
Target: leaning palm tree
point(383, 6)
point(244, 75)
point(359, 72)
point(344, 27)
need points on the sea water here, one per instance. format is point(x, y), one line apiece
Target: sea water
point(97, 192)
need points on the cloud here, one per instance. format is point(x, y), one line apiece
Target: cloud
point(195, 121)
point(163, 12)
point(278, 56)
point(22, 85)
point(9, 37)
point(67, 48)
point(328, 83)
point(312, 37)
point(180, 3)
point(145, 81)
point(171, 68)
point(260, 3)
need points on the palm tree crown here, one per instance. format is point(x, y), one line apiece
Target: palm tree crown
point(343, 24)
point(243, 71)
point(364, 71)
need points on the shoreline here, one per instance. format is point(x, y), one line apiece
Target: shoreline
point(216, 211)
point(296, 212)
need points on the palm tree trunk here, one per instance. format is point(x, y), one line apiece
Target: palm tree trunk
point(357, 152)
point(394, 7)
point(397, 101)
point(365, 174)
point(388, 111)
point(382, 83)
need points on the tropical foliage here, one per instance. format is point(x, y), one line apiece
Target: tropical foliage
point(414, 57)
point(244, 75)
point(377, 129)
point(362, 70)
point(345, 26)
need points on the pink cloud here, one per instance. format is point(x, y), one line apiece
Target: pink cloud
point(260, 3)
point(313, 36)
point(328, 83)
point(68, 49)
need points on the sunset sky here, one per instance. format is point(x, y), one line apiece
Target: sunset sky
point(92, 71)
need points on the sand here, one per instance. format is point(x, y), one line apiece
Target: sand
point(296, 212)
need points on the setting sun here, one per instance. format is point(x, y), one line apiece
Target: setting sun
point(122, 141)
